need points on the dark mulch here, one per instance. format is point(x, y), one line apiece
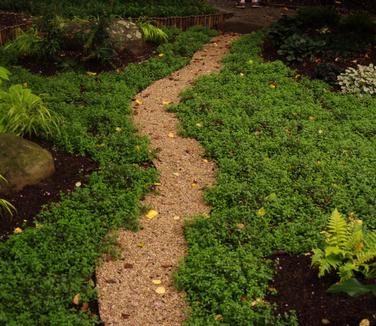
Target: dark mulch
point(307, 67)
point(11, 19)
point(300, 289)
point(70, 169)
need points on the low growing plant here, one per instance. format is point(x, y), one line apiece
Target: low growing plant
point(358, 81)
point(152, 33)
point(349, 249)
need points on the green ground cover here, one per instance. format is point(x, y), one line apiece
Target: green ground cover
point(43, 268)
point(123, 8)
point(288, 152)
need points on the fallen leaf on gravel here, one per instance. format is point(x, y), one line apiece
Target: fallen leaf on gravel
point(176, 217)
point(138, 102)
point(166, 102)
point(140, 244)
point(171, 135)
point(176, 174)
point(160, 290)
point(18, 230)
point(151, 214)
point(156, 282)
point(194, 184)
point(76, 299)
point(85, 307)
point(206, 161)
point(261, 212)
point(125, 316)
point(128, 265)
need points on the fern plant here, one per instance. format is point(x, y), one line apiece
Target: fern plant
point(152, 33)
point(349, 248)
point(5, 206)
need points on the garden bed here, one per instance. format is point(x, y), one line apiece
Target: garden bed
point(47, 271)
point(288, 152)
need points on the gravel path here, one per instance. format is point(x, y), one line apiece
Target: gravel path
point(138, 289)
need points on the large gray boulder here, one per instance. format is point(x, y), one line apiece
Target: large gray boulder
point(23, 163)
point(126, 36)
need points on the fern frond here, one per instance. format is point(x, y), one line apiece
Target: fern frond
point(338, 231)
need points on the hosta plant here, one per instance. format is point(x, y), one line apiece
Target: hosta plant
point(349, 249)
point(361, 80)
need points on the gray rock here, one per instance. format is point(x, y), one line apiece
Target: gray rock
point(23, 163)
point(126, 36)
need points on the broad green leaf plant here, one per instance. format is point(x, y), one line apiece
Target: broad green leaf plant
point(349, 249)
point(24, 113)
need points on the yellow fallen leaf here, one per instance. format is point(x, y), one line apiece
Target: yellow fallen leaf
point(325, 321)
point(138, 102)
point(157, 183)
point(250, 61)
point(257, 302)
point(140, 244)
point(78, 184)
point(194, 184)
point(166, 102)
point(171, 135)
point(156, 282)
point(160, 290)
point(241, 74)
point(240, 226)
point(90, 73)
point(18, 230)
point(176, 174)
point(218, 317)
point(76, 299)
point(176, 217)
point(206, 161)
point(161, 55)
point(261, 212)
point(199, 124)
point(311, 118)
point(118, 129)
point(151, 214)
point(272, 85)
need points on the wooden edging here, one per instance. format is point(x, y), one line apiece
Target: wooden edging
point(185, 22)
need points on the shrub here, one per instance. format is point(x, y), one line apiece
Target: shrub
point(298, 47)
point(328, 72)
point(360, 22)
point(317, 17)
point(358, 81)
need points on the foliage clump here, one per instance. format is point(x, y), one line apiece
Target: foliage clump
point(361, 80)
point(349, 249)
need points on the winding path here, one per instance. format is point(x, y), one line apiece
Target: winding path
point(138, 289)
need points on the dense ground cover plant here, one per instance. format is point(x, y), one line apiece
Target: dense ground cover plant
point(123, 8)
point(288, 152)
point(44, 268)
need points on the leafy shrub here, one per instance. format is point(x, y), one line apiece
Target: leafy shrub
point(27, 43)
point(349, 249)
point(358, 81)
point(360, 22)
point(319, 16)
point(298, 47)
point(328, 72)
point(282, 29)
